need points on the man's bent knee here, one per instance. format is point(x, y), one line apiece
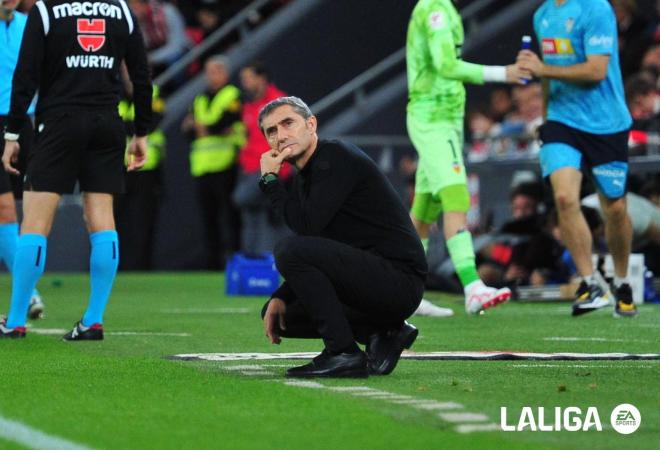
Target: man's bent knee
point(286, 250)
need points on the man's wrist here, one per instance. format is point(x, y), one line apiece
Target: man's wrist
point(542, 72)
point(495, 74)
point(267, 179)
point(11, 136)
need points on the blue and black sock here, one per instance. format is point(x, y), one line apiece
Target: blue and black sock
point(29, 263)
point(103, 263)
point(8, 243)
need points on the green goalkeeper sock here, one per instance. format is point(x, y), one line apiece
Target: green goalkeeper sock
point(461, 252)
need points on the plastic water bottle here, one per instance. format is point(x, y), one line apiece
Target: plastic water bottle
point(525, 44)
point(649, 290)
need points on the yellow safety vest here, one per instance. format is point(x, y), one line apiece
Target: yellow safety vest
point(156, 141)
point(215, 153)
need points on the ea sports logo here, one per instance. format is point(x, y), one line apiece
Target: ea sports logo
point(91, 34)
point(625, 418)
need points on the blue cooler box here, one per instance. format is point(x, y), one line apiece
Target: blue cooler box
point(251, 275)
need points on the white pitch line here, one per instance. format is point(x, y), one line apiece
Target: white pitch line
point(428, 405)
point(476, 427)
point(256, 373)
point(374, 393)
point(432, 405)
point(458, 417)
point(579, 366)
point(57, 331)
point(32, 438)
point(244, 367)
point(460, 355)
point(350, 388)
point(391, 398)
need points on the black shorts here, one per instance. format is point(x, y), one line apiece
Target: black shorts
point(602, 156)
point(86, 146)
point(596, 149)
point(12, 183)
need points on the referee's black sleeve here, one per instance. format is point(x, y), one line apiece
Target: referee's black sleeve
point(138, 70)
point(28, 71)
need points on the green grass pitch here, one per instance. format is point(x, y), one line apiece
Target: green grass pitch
point(123, 393)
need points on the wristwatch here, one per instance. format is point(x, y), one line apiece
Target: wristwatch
point(266, 179)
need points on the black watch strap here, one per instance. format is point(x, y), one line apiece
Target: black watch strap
point(267, 178)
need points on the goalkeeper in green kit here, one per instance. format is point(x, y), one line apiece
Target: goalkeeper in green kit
point(435, 124)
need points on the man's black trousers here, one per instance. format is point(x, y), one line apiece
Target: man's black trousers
point(342, 294)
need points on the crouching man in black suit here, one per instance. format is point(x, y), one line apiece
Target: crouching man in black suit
point(355, 269)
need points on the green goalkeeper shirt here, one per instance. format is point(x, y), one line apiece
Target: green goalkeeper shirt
point(436, 72)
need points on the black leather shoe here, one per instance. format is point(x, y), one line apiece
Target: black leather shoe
point(327, 365)
point(384, 349)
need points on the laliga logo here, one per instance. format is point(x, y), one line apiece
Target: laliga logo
point(570, 419)
point(625, 419)
point(90, 41)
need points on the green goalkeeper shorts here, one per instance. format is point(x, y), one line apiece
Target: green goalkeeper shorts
point(440, 166)
point(440, 149)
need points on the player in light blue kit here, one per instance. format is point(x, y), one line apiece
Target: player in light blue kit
point(586, 129)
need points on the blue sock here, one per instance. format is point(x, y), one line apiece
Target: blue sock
point(29, 263)
point(8, 242)
point(103, 262)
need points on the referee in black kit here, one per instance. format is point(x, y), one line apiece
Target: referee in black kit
point(71, 54)
point(355, 270)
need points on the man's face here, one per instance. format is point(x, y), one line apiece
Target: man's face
point(251, 82)
point(8, 6)
point(138, 7)
point(652, 57)
point(522, 206)
point(284, 128)
point(216, 75)
point(642, 106)
point(529, 101)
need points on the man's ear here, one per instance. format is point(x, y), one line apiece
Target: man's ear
point(311, 124)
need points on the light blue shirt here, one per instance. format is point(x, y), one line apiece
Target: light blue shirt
point(11, 34)
point(568, 34)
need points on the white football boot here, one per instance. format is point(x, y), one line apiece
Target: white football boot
point(479, 297)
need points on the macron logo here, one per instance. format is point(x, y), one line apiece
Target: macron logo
point(601, 41)
point(87, 9)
